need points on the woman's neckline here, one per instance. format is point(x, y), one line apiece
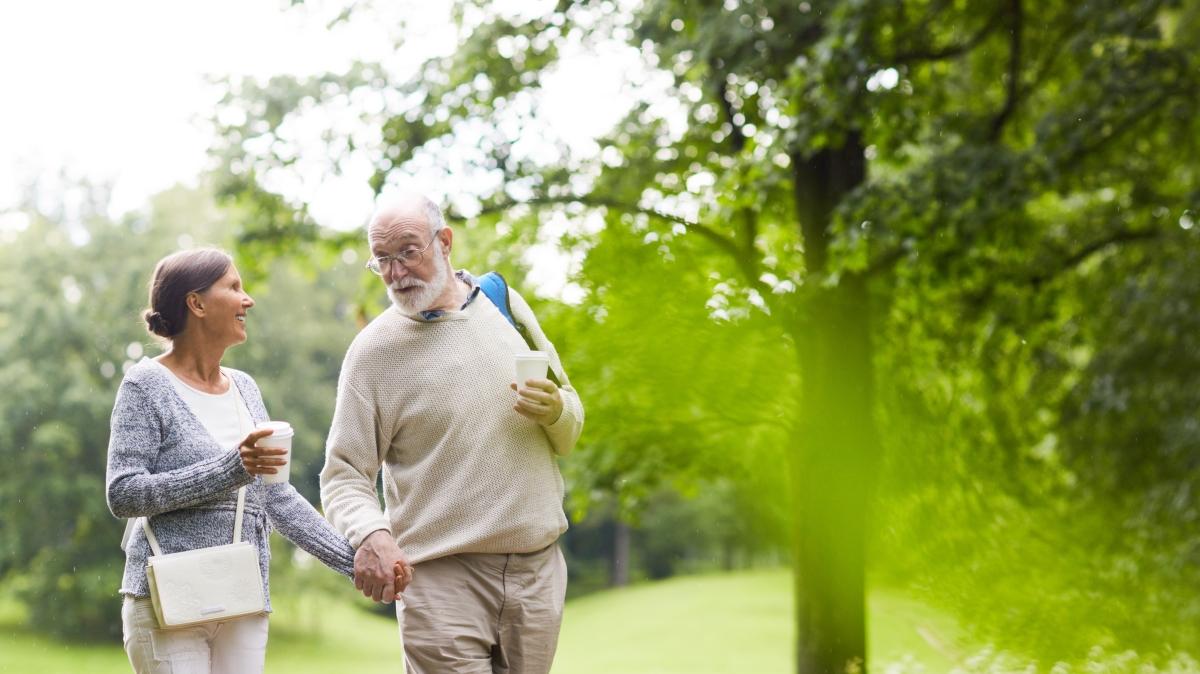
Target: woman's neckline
point(225, 377)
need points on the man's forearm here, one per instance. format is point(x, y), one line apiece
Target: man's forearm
point(351, 504)
point(564, 432)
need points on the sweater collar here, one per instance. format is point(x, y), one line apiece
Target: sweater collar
point(463, 276)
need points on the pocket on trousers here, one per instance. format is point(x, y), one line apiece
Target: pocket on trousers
point(177, 646)
point(135, 637)
point(174, 646)
point(151, 650)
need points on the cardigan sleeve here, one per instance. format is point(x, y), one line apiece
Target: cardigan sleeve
point(134, 442)
point(288, 510)
point(300, 523)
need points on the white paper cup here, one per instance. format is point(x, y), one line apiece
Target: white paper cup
point(281, 438)
point(532, 365)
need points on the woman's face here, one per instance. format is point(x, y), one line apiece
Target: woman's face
point(225, 304)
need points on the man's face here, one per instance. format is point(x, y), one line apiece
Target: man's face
point(412, 288)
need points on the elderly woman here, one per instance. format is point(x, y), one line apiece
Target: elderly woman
point(179, 452)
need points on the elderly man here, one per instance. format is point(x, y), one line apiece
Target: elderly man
point(471, 484)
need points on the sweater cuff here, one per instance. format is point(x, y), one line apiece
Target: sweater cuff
point(233, 467)
point(563, 433)
point(357, 535)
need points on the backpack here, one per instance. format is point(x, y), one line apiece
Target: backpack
point(496, 288)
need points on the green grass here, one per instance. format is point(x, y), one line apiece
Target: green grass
point(732, 623)
point(719, 623)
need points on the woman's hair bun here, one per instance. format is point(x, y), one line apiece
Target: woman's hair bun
point(157, 323)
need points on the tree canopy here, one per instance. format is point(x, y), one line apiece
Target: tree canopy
point(911, 287)
point(917, 212)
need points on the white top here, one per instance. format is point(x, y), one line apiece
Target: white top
point(217, 412)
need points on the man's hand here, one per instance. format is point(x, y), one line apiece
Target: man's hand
point(376, 566)
point(539, 400)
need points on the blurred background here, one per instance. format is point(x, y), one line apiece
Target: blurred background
point(885, 314)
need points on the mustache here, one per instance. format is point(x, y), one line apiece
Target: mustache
point(408, 282)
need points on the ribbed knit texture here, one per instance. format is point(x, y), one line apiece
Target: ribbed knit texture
point(162, 463)
point(429, 402)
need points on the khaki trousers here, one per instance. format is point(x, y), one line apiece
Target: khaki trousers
point(236, 646)
point(484, 614)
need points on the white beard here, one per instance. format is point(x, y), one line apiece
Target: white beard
point(423, 298)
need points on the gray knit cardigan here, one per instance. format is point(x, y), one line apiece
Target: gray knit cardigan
point(164, 464)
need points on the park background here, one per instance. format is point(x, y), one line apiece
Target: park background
point(886, 315)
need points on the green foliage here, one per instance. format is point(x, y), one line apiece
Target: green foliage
point(944, 247)
point(72, 321)
point(73, 293)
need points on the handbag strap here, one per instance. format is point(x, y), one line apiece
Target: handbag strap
point(241, 498)
point(237, 519)
point(150, 536)
point(238, 404)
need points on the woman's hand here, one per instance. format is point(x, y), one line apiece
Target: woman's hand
point(404, 575)
point(259, 460)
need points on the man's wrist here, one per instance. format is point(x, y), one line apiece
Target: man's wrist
point(561, 410)
point(374, 535)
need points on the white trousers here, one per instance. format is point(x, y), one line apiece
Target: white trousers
point(237, 646)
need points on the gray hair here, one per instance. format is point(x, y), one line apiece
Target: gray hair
point(433, 215)
point(429, 208)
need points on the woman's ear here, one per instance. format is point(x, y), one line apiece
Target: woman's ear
point(194, 304)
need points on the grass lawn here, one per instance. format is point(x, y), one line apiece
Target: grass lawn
point(736, 623)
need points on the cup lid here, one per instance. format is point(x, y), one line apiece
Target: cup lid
point(280, 428)
point(533, 355)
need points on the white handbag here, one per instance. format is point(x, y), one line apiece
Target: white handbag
point(206, 584)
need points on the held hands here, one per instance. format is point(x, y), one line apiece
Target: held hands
point(381, 571)
point(404, 576)
point(539, 400)
point(260, 460)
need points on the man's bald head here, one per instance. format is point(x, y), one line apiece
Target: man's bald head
point(410, 207)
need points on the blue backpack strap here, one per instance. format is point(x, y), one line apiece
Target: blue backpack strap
point(496, 288)
point(493, 285)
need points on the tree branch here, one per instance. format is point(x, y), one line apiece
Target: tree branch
point(742, 257)
point(954, 50)
point(1048, 273)
point(1016, 24)
point(721, 241)
point(1136, 114)
point(736, 137)
point(1080, 256)
point(1056, 48)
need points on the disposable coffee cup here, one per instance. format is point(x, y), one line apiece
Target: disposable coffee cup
point(532, 365)
point(281, 438)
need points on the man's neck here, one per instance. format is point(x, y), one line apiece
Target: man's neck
point(453, 297)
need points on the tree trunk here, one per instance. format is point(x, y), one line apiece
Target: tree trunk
point(834, 455)
point(833, 465)
point(620, 558)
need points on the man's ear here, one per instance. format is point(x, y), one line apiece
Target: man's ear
point(194, 304)
point(447, 238)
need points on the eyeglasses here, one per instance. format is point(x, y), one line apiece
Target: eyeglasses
point(409, 257)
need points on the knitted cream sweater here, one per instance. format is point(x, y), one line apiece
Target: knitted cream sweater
point(429, 402)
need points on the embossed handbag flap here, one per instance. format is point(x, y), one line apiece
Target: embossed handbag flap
point(198, 586)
